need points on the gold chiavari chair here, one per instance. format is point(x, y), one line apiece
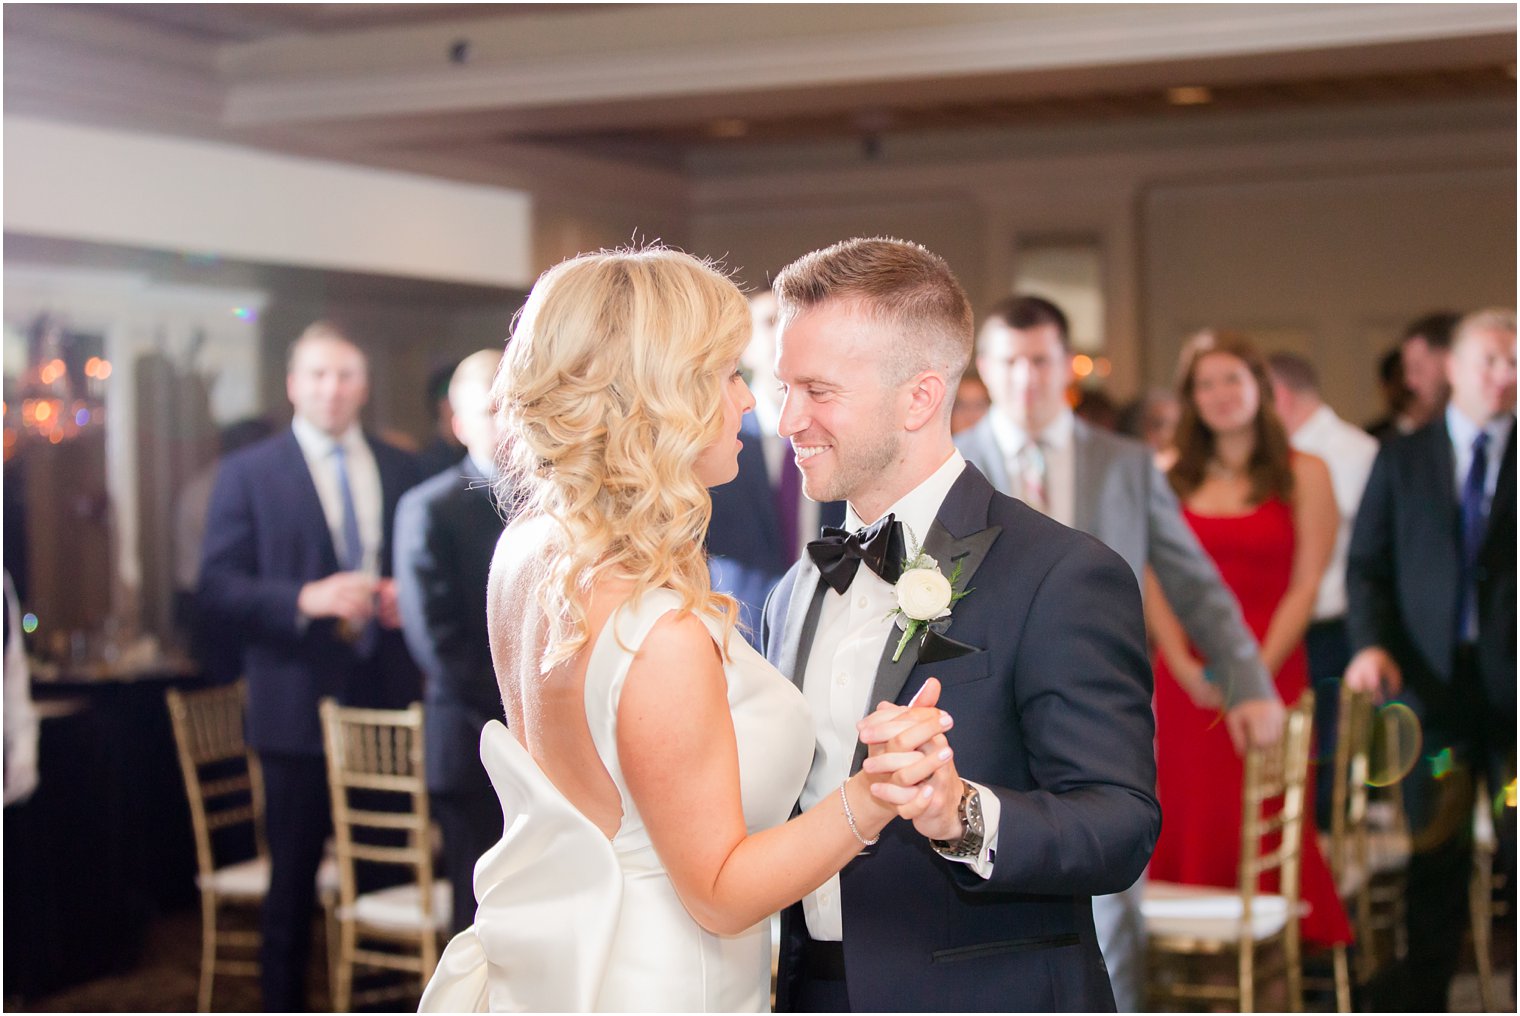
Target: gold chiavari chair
point(1190, 928)
point(225, 789)
point(378, 753)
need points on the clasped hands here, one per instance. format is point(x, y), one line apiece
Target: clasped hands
point(911, 765)
point(353, 598)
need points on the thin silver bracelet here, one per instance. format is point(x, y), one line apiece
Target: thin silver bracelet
point(849, 816)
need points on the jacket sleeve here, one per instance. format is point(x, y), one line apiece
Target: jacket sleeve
point(1209, 612)
point(1372, 614)
point(1082, 683)
point(233, 588)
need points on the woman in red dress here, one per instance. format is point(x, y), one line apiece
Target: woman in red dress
point(1267, 517)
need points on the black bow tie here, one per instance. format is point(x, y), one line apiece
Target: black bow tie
point(838, 554)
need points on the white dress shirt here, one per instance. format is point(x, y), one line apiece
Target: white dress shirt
point(841, 672)
point(1060, 461)
point(363, 482)
point(1348, 451)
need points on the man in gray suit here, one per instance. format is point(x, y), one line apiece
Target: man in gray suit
point(1032, 446)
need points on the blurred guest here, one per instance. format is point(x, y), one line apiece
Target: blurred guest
point(446, 533)
point(971, 402)
point(443, 448)
point(1266, 515)
point(1431, 579)
point(1032, 446)
point(20, 716)
point(1151, 419)
point(1394, 394)
point(1422, 360)
point(219, 656)
point(296, 561)
point(761, 520)
point(1348, 452)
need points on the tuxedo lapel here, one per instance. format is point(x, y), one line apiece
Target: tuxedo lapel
point(964, 511)
point(801, 623)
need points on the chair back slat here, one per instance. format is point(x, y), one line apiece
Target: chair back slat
point(375, 755)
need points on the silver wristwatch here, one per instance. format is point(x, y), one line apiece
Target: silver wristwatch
point(972, 832)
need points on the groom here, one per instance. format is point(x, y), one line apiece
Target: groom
point(983, 904)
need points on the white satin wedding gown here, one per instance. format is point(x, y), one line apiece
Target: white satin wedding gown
point(569, 921)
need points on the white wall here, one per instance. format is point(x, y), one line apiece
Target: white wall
point(105, 186)
point(1326, 230)
point(1330, 267)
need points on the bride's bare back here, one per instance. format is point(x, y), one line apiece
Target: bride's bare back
point(547, 712)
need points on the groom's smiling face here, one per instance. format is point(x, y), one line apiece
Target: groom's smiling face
point(840, 413)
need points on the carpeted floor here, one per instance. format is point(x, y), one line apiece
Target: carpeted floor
point(168, 978)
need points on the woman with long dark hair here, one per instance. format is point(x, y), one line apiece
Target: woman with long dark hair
point(1267, 516)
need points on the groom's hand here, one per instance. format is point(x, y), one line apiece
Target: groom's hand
point(909, 751)
point(934, 804)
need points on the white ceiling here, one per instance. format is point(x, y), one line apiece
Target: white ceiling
point(551, 97)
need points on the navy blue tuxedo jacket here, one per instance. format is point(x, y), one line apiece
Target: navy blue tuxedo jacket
point(1052, 705)
point(746, 556)
point(266, 537)
point(447, 528)
point(1403, 571)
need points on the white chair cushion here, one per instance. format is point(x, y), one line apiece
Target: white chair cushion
point(246, 878)
point(1200, 912)
point(400, 907)
point(251, 879)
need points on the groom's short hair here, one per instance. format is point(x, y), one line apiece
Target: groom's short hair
point(903, 286)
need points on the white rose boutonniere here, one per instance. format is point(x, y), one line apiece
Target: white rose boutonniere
point(924, 595)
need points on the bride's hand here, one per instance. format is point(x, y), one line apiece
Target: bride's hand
point(907, 746)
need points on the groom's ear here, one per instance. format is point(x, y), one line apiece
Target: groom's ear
point(926, 400)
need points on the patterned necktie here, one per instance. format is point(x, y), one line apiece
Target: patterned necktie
point(1032, 476)
point(1473, 528)
point(351, 557)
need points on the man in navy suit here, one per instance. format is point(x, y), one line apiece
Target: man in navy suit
point(761, 520)
point(447, 528)
point(1430, 582)
point(296, 564)
point(984, 902)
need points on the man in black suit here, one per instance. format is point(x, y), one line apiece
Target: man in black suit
point(446, 532)
point(296, 565)
point(1431, 587)
point(984, 903)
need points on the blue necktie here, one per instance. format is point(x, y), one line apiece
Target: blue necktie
point(1472, 528)
point(351, 557)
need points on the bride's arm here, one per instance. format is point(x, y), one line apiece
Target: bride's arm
point(677, 749)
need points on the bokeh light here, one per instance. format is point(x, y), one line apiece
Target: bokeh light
point(29, 623)
point(1396, 742)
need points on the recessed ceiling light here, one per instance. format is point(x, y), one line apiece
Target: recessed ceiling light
point(1189, 95)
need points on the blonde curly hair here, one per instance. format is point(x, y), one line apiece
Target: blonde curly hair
point(611, 387)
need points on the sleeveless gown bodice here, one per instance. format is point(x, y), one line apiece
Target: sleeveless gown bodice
point(1198, 774)
point(569, 920)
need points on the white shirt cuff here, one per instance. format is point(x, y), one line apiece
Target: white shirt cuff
point(992, 810)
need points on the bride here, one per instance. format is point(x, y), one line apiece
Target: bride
point(653, 758)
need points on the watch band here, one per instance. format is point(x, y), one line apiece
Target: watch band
point(973, 834)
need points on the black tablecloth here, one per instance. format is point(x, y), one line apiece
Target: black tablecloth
point(105, 842)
